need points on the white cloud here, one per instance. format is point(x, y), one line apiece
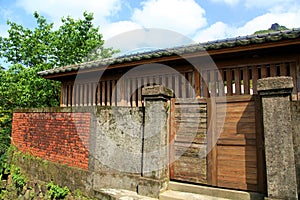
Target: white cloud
point(220, 30)
point(56, 9)
point(183, 16)
point(113, 29)
point(230, 2)
point(267, 3)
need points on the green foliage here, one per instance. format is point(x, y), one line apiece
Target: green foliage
point(19, 180)
point(56, 192)
point(274, 27)
point(74, 41)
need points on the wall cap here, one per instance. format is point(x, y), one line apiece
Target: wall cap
point(284, 84)
point(157, 91)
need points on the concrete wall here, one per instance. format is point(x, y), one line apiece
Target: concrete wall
point(112, 147)
point(296, 138)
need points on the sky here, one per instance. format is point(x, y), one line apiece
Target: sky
point(198, 20)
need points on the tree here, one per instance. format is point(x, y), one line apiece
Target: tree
point(73, 42)
point(32, 50)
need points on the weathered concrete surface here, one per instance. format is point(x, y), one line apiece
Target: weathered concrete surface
point(277, 123)
point(117, 140)
point(114, 194)
point(156, 136)
point(296, 138)
point(212, 192)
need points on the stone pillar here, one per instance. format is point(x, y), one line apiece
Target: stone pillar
point(156, 136)
point(280, 162)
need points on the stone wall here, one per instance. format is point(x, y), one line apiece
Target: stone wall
point(296, 137)
point(55, 136)
point(117, 147)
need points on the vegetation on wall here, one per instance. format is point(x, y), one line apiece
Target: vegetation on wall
point(28, 51)
point(274, 27)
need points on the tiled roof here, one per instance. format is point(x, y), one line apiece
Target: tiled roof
point(213, 45)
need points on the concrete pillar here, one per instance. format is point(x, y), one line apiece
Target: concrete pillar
point(280, 162)
point(156, 135)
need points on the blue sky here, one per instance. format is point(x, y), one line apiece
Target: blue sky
point(200, 20)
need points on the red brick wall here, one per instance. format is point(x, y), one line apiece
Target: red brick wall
point(58, 137)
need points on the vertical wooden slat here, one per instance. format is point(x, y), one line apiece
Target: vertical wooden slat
point(211, 143)
point(103, 93)
point(246, 80)
point(99, 93)
point(183, 86)
point(177, 86)
point(108, 93)
point(273, 70)
point(134, 91)
point(191, 83)
point(77, 97)
point(205, 78)
point(264, 71)
point(213, 83)
point(283, 69)
point(85, 93)
point(139, 94)
point(197, 83)
point(221, 82)
point(128, 92)
point(254, 78)
point(294, 76)
point(170, 82)
point(237, 81)
point(62, 95)
point(113, 93)
point(229, 82)
point(172, 137)
point(298, 79)
point(94, 93)
point(73, 94)
point(90, 95)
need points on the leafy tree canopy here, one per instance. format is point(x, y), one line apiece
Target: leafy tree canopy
point(73, 42)
point(32, 50)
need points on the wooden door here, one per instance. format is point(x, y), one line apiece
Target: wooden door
point(234, 150)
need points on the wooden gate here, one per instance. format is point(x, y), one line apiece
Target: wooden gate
point(229, 129)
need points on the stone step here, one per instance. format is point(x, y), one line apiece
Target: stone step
point(210, 192)
point(119, 194)
point(176, 195)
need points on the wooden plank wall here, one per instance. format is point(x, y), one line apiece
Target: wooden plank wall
point(238, 159)
point(189, 120)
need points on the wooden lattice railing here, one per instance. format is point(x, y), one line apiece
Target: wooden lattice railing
point(229, 81)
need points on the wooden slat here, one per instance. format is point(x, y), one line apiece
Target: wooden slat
point(273, 70)
point(229, 81)
point(139, 92)
point(113, 93)
point(283, 69)
point(108, 93)
point(264, 71)
point(197, 83)
point(103, 93)
point(246, 80)
point(294, 76)
point(254, 78)
point(237, 81)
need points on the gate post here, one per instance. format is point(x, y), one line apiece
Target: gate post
point(155, 138)
point(275, 93)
